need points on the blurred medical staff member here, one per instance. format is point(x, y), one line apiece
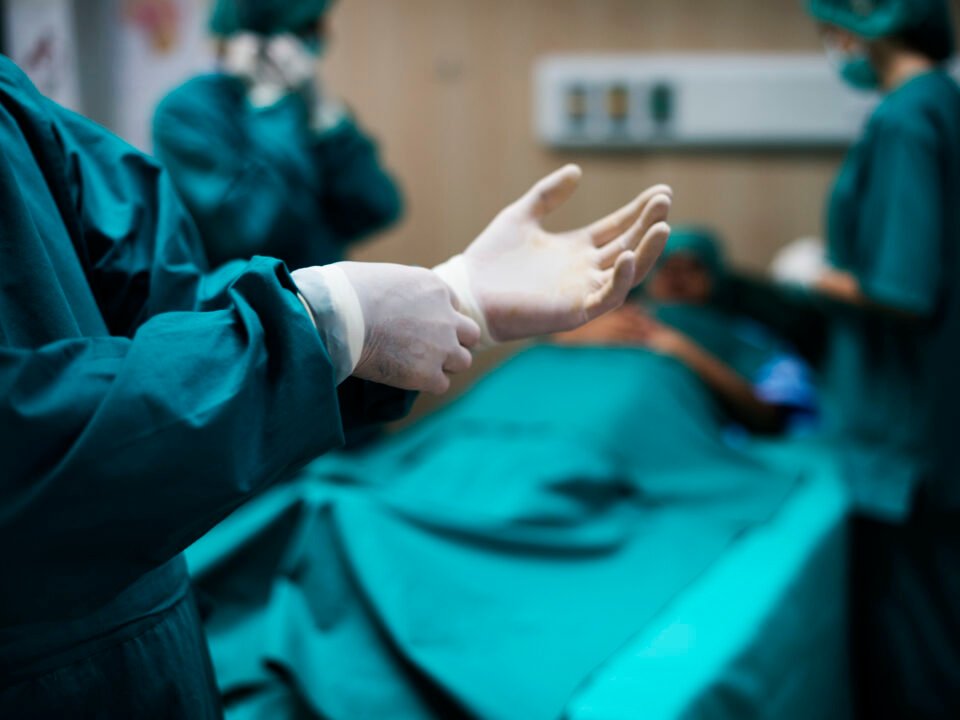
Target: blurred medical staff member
point(266, 162)
point(142, 399)
point(889, 291)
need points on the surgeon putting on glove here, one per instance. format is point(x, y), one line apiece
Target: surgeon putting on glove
point(514, 281)
point(143, 398)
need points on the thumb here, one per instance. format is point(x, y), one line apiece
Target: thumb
point(551, 192)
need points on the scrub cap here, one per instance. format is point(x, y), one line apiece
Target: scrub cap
point(700, 242)
point(265, 17)
point(926, 23)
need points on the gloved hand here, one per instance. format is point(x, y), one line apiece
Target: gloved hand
point(272, 67)
point(391, 324)
point(803, 262)
point(289, 62)
point(327, 112)
point(241, 56)
point(517, 280)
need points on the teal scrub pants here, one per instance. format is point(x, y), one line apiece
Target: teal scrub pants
point(905, 617)
point(156, 667)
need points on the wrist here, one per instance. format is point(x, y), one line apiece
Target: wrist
point(677, 346)
point(455, 274)
point(327, 115)
point(336, 312)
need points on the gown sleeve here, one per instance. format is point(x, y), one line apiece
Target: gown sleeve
point(360, 196)
point(239, 199)
point(901, 218)
point(794, 314)
point(120, 449)
point(247, 200)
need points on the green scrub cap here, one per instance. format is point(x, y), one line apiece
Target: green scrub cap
point(265, 17)
point(926, 22)
point(703, 244)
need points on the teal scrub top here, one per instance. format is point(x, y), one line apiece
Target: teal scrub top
point(894, 222)
point(141, 399)
point(261, 182)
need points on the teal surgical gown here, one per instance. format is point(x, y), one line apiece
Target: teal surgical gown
point(892, 393)
point(141, 401)
point(261, 182)
point(891, 390)
point(894, 223)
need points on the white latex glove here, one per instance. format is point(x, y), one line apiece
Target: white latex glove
point(392, 324)
point(802, 262)
point(517, 280)
point(327, 112)
point(241, 56)
point(273, 67)
point(290, 62)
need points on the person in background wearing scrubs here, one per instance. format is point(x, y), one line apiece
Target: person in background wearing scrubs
point(883, 314)
point(265, 160)
point(761, 384)
point(143, 398)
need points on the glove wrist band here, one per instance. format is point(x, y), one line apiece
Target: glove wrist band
point(335, 310)
point(454, 273)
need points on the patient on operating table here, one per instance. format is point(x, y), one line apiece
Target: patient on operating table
point(762, 384)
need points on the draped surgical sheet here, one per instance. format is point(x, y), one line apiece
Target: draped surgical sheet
point(488, 560)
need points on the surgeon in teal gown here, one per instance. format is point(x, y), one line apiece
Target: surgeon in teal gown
point(130, 422)
point(143, 397)
point(888, 309)
point(265, 161)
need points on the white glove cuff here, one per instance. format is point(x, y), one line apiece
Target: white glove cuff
point(241, 56)
point(334, 308)
point(265, 95)
point(346, 304)
point(327, 115)
point(454, 273)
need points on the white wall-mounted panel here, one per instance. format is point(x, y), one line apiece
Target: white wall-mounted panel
point(698, 100)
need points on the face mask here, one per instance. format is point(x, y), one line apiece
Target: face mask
point(859, 72)
point(854, 67)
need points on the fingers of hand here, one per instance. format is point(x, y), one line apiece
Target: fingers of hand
point(460, 360)
point(468, 332)
point(649, 250)
point(456, 357)
point(619, 221)
point(551, 192)
point(614, 289)
point(655, 211)
point(436, 384)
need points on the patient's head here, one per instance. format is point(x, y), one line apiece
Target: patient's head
point(689, 269)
